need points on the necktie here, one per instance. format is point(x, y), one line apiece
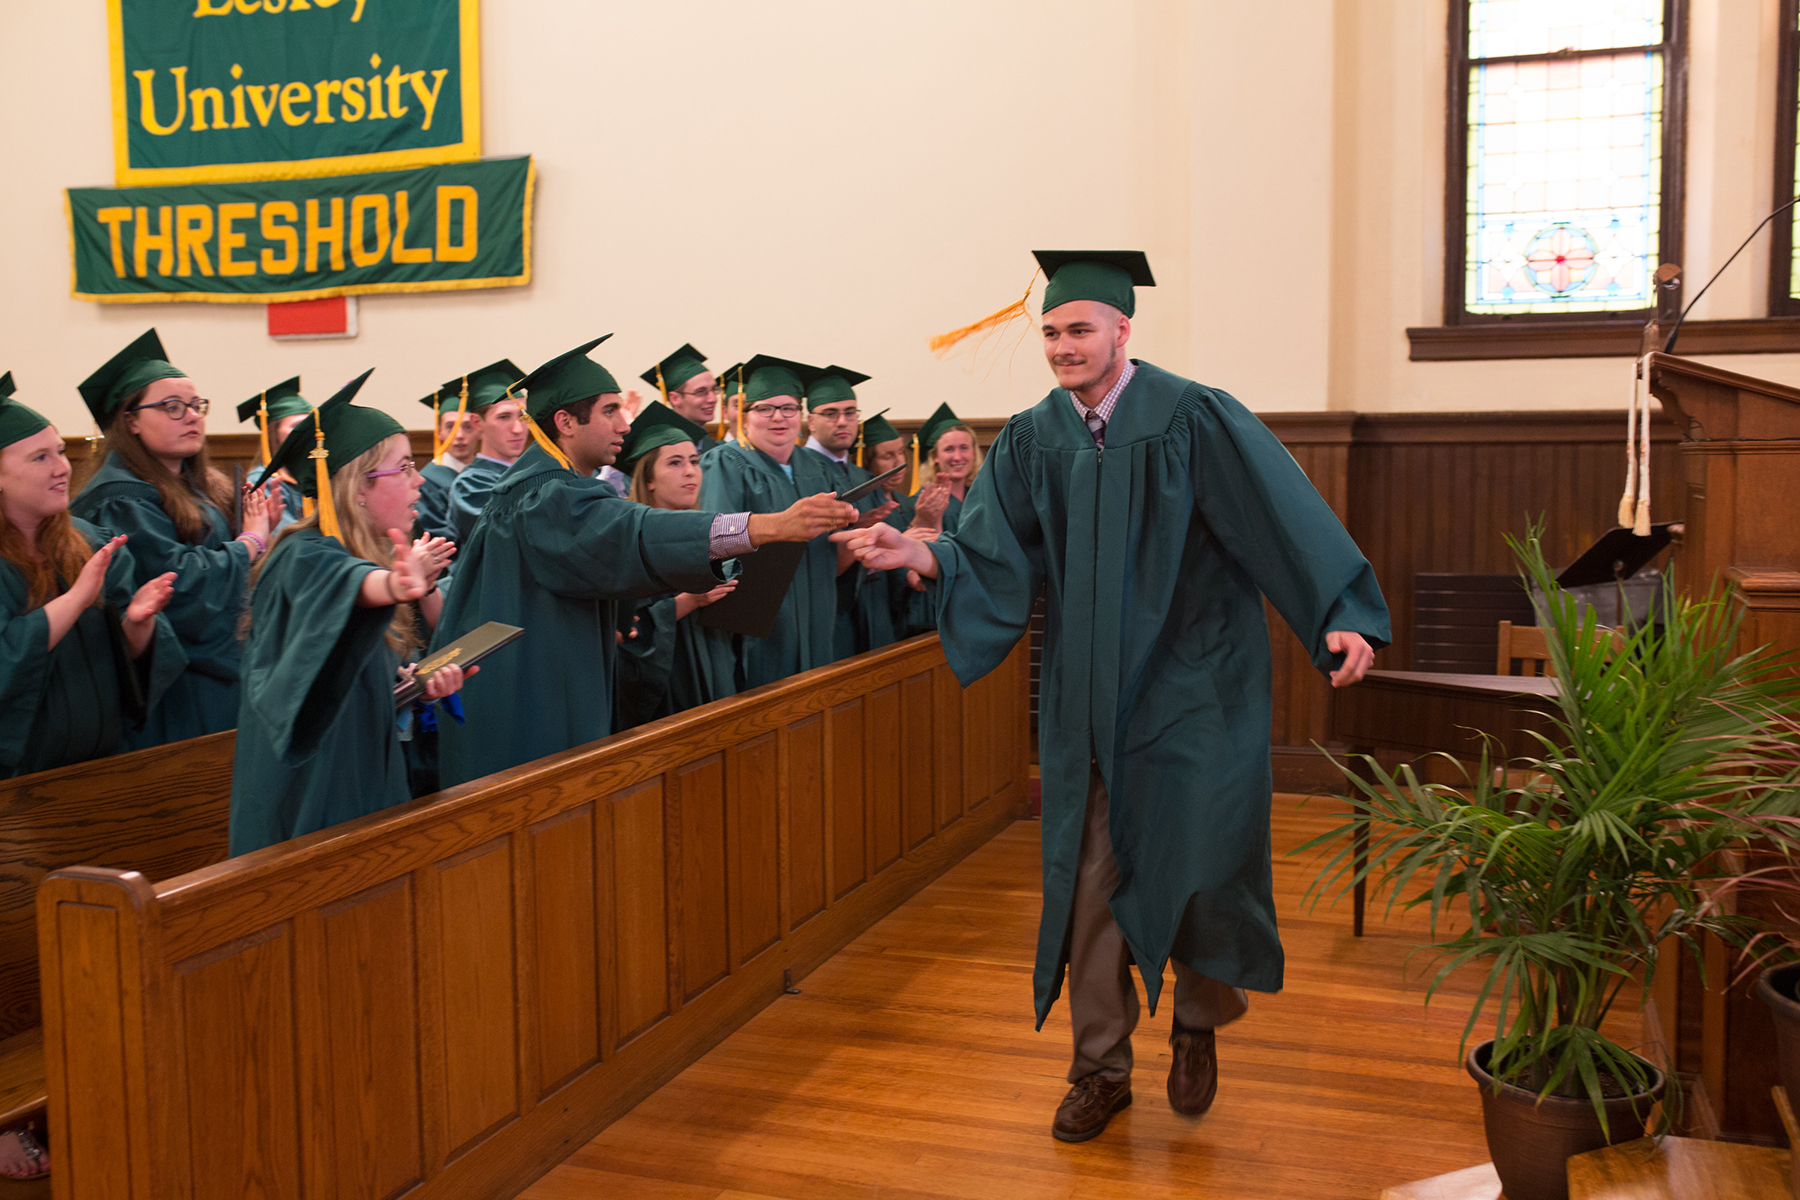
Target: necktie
point(1097, 426)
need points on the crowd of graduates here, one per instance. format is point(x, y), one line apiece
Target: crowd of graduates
point(158, 601)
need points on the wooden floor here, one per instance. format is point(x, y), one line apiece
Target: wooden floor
point(908, 1067)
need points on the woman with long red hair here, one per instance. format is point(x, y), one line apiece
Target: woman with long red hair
point(157, 486)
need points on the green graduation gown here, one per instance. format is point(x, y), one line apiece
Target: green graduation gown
point(66, 703)
point(433, 505)
point(865, 619)
point(552, 553)
point(293, 505)
point(211, 578)
point(738, 478)
point(469, 493)
point(918, 615)
point(670, 666)
point(317, 742)
point(1154, 556)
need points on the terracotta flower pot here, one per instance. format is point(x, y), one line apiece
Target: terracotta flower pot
point(1777, 988)
point(1531, 1142)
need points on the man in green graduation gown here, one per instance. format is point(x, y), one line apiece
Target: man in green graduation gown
point(554, 551)
point(865, 619)
point(276, 412)
point(688, 388)
point(504, 436)
point(458, 406)
point(1156, 515)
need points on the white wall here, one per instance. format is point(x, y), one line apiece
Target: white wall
point(837, 182)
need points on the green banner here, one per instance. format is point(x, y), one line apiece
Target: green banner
point(208, 91)
point(460, 225)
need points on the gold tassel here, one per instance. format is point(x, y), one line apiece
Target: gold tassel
point(859, 447)
point(1018, 309)
point(660, 385)
point(462, 412)
point(915, 466)
point(307, 507)
point(328, 522)
point(263, 420)
point(543, 439)
point(740, 416)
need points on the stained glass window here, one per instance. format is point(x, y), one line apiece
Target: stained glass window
point(1564, 167)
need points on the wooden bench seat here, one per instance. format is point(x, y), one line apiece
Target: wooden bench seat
point(22, 1088)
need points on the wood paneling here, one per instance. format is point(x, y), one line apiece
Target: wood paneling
point(918, 797)
point(438, 999)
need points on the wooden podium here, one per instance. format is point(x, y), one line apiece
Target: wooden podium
point(1741, 456)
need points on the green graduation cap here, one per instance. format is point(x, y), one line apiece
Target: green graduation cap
point(284, 400)
point(487, 385)
point(677, 369)
point(730, 376)
point(934, 427)
point(1104, 275)
point(832, 385)
point(349, 431)
point(766, 376)
point(658, 425)
point(16, 421)
point(141, 363)
point(877, 430)
point(569, 377)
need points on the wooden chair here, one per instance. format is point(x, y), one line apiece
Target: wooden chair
point(1526, 644)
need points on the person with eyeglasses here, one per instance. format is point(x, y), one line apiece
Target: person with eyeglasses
point(556, 551)
point(157, 486)
point(343, 598)
point(688, 388)
point(765, 471)
point(865, 617)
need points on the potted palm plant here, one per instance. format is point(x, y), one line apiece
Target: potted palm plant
point(1565, 875)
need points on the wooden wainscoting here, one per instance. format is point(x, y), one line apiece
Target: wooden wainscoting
point(446, 998)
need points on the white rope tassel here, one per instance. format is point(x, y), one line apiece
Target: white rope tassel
point(1641, 526)
point(1628, 501)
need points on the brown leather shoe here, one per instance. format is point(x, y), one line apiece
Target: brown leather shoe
point(1089, 1105)
point(1194, 1075)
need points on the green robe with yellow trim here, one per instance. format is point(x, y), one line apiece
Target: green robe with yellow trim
point(212, 577)
point(317, 742)
point(1154, 558)
point(553, 553)
point(738, 478)
point(67, 703)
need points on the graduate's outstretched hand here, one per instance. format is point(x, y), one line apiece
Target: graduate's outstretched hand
point(803, 520)
point(86, 588)
point(884, 548)
point(876, 515)
point(1358, 656)
point(687, 602)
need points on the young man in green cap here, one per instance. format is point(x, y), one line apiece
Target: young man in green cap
point(554, 552)
point(865, 617)
point(688, 388)
point(504, 436)
point(157, 486)
point(276, 412)
point(458, 437)
point(85, 651)
point(1158, 514)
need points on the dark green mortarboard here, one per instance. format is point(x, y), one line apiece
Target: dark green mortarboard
point(934, 427)
point(832, 385)
point(487, 385)
point(16, 421)
point(657, 425)
point(876, 430)
point(678, 368)
point(284, 401)
point(143, 362)
point(565, 379)
point(766, 376)
point(729, 377)
point(349, 431)
point(1104, 275)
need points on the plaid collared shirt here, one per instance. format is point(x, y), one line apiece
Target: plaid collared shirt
point(1107, 403)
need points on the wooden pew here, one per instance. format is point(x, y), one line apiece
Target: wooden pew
point(160, 812)
point(445, 999)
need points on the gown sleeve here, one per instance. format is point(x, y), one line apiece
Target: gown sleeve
point(991, 569)
point(163, 660)
point(308, 641)
point(646, 662)
point(24, 668)
point(582, 541)
point(1274, 524)
point(210, 582)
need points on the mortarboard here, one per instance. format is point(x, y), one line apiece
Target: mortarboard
point(333, 435)
point(16, 421)
point(832, 385)
point(658, 425)
point(676, 369)
point(1109, 276)
point(137, 365)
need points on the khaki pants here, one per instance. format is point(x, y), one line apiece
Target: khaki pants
point(1103, 1000)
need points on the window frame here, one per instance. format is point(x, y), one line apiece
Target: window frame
point(1670, 222)
point(1787, 104)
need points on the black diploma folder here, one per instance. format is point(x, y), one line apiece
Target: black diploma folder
point(761, 587)
point(465, 652)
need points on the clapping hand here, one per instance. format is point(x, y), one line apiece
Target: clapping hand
point(411, 574)
point(876, 515)
point(435, 553)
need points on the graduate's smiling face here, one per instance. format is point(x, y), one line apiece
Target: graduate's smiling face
point(34, 479)
point(835, 425)
point(954, 456)
point(168, 437)
point(885, 456)
point(392, 487)
point(675, 479)
point(468, 434)
point(696, 398)
point(1084, 340)
point(773, 425)
point(503, 432)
